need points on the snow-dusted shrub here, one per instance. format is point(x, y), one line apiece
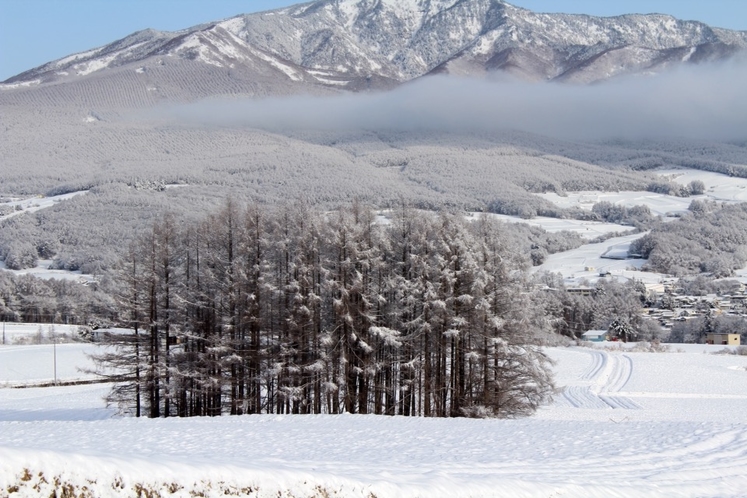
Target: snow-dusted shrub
point(20, 255)
point(650, 347)
point(724, 351)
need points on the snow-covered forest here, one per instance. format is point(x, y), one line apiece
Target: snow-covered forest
point(711, 238)
point(296, 311)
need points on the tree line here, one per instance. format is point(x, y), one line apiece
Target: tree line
point(26, 298)
point(293, 311)
point(711, 238)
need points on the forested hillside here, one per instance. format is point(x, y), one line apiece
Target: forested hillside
point(711, 238)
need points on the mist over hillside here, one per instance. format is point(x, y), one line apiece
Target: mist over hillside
point(702, 102)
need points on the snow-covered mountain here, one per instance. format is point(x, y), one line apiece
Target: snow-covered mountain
point(359, 44)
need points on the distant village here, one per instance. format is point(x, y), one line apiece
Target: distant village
point(668, 304)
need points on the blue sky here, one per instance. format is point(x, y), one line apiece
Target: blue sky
point(33, 32)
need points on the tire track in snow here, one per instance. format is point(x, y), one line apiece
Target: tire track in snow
point(608, 374)
point(581, 397)
point(715, 462)
point(599, 361)
point(619, 374)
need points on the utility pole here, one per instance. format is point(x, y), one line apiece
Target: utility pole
point(54, 348)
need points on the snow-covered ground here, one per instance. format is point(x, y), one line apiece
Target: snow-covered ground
point(659, 204)
point(587, 230)
point(33, 204)
point(719, 187)
point(43, 270)
point(29, 333)
point(609, 256)
point(624, 424)
point(36, 364)
point(585, 263)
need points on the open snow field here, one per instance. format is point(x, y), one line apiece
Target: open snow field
point(624, 424)
point(35, 332)
point(585, 263)
point(722, 188)
point(659, 204)
point(34, 204)
point(575, 265)
point(587, 230)
point(42, 270)
point(38, 364)
point(718, 187)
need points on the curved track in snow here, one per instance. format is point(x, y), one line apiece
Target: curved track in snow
point(606, 375)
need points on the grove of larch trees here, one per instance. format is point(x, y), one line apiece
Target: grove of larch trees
point(292, 311)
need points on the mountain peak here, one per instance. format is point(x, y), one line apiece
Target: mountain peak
point(359, 44)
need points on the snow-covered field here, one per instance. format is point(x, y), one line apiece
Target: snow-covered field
point(609, 256)
point(624, 424)
point(659, 204)
point(719, 187)
point(43, 270)
point(588, 261)
point(38, 364)
point(34, 204)
point(13, 333)
point(587, 230)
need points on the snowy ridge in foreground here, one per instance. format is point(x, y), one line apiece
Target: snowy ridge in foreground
point(624, 423)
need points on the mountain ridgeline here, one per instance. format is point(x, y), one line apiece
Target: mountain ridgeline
point(337, 45)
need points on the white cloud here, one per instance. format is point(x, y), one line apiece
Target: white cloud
point(706, 102)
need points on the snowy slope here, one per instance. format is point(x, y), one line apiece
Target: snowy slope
point(624, 423)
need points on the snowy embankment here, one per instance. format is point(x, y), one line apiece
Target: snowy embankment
point(624, 423)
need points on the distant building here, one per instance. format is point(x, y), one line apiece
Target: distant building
point(724, 339)
point(583, 291)
point(595, 335)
